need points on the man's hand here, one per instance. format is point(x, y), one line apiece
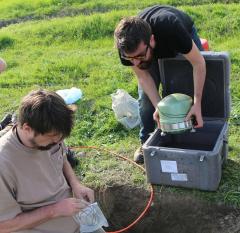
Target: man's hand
point(156, 117)
point(196, 111)
point(82, 192)
point(68, 207)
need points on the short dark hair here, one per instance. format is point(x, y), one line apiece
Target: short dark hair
point(130, 32)
point(45, 111)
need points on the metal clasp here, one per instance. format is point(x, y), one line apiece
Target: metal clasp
point(202, 158)
point(193, 130)
point(153, 153)
point(163, 134)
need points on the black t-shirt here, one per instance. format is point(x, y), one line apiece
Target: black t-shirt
point(171, 29)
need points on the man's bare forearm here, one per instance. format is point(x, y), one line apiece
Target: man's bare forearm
point(199, 74)
point(148, 85)
point(79, 191)
point(28, 220)
point(70, 175)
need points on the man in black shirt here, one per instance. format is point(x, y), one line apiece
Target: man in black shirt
point(159, 32)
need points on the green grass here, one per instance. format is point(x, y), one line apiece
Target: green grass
point(63, 51)
point(27, 9)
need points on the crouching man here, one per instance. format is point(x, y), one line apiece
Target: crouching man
point(39, 191)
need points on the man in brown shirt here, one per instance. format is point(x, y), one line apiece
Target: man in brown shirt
point(39, 190)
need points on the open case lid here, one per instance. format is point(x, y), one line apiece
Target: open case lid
point(177, 77)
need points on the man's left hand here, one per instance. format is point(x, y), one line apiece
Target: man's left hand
point(156, 117)
point(82, 192)
point(196, 111)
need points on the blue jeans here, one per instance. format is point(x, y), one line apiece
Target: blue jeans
point(146, 109)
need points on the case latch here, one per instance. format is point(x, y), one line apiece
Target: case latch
point(201, 158)
point(153, 153)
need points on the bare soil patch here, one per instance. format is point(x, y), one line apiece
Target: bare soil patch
point(170, 212)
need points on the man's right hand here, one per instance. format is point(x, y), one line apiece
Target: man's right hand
point(156, 117)
point(69, 207)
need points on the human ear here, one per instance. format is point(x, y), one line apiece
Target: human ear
point(26, 128)
point(152, 41)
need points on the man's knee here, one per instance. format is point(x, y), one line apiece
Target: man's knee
point(3, 65)
point(144, 101)
point(146, 108)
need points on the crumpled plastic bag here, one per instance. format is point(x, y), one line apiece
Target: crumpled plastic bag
point(70, 96)
point(91, 219)
point(126, 109)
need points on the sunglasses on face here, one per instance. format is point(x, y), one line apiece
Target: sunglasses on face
point(139, 57)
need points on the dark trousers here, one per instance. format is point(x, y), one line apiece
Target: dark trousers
point(146, 109)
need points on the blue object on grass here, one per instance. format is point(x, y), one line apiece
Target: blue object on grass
point(70, 96)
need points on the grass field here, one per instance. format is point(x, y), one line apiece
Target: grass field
point(59, 44)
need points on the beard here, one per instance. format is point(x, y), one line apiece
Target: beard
point(43, 148)
point(48, 147)
point(144, 65)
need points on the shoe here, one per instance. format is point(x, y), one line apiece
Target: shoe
point(5, 121)
point(71, 157)
point(138, 156)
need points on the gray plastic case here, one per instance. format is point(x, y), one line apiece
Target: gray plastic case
point(193, 159)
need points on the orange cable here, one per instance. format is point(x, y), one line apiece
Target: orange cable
point(151, 187)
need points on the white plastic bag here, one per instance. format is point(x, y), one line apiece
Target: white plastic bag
point(70, 96)
point(91, 219)
point(126, 109)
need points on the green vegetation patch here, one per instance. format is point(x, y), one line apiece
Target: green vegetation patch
point(79, 51)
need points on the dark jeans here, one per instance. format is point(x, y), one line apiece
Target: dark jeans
point(146, 109)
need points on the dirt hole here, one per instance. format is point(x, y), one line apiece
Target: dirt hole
point(170, 212)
